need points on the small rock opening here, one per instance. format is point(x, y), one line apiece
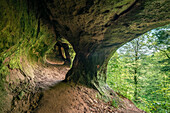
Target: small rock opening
point(57, 62)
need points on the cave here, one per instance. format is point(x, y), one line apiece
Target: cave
point(57, 62)
point(38, 37)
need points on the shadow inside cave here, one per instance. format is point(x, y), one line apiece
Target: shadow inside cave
point(54, 69)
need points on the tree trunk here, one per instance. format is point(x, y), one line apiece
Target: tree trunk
point(136, 49)
point(136, 88)
point(95, 29)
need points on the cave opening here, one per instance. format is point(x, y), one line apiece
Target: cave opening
point(32, 55)
point(138, 70)
point(57, 62)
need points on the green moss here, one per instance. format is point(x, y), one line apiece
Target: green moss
point(114, 103)
point(19, 39)
point(21, 95)
point(3, 72)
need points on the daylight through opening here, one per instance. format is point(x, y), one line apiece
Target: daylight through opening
point(58, 61)
point(139, 70)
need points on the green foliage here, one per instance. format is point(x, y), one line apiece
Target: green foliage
point(21, 95)
point(3, 72)
point(152, 65)
point(114, 103)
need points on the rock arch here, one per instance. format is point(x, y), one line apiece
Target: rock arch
point(95, 29)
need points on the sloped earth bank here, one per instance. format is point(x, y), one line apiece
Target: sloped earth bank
point(71, 98)
point(46, 93)
point(49, 75)
point(53, 72)
point(24, 91)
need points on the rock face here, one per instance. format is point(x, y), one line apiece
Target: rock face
point(97, 28)
point(29, 29)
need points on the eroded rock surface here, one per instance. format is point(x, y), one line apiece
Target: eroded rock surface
point(29, 29)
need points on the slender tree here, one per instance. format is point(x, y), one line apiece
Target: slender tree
point(144, 65)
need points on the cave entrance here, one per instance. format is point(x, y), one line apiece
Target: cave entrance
point(139, 70)
point(57, 62)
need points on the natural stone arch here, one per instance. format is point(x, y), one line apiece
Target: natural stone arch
point(95, 29)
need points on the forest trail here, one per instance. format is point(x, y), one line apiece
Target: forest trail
point(61, 97)
point(71, 98)
point(64, 97)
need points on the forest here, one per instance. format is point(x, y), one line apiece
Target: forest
point(140, 69)
point(62, 56)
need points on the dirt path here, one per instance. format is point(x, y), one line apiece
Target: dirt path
point(50, 74)
point(60, 97)
point(71, 98)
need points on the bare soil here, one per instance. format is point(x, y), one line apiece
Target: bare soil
point(71, 98)
point(51, 73)
point(61, 97)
